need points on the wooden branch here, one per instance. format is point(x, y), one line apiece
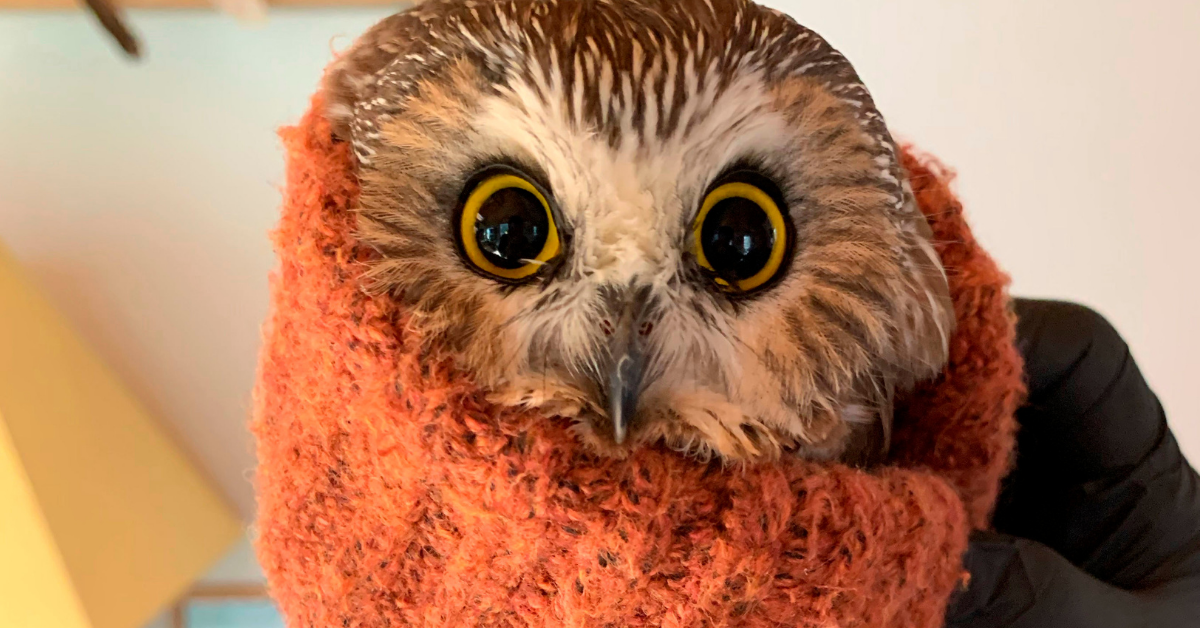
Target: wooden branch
point(244, 10)
point(112, 21)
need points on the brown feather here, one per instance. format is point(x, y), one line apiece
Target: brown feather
point(810, 366)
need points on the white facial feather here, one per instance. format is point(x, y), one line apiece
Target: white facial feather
point(631, 208)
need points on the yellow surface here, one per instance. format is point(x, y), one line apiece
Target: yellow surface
point(132, 520)
point(35, 590)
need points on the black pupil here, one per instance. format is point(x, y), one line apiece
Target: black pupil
point(737, 238)
point(511, 227)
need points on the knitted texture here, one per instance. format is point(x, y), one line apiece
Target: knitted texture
point(392, 494)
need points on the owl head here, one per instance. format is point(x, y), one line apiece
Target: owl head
point(676, 222)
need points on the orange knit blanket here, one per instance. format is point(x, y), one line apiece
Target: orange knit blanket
point(392, 494)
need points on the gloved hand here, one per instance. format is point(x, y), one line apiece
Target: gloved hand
point(1098, 526)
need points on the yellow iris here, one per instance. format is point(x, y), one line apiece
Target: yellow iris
point(510, 236)
point(733, 274)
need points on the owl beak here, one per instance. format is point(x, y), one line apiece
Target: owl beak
point(624, 385)
point(626, 357)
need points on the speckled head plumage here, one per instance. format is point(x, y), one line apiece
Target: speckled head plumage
point(626, 116)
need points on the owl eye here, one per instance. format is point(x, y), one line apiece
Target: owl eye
point(741, 236)
point(506, 227)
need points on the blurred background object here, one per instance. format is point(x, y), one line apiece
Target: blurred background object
point(232, 594)
point(105, 520)
point(225, 606)
point(109, 16)
point(138, 197)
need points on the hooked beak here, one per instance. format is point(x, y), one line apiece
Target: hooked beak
point(627, 359)
point(624, 386)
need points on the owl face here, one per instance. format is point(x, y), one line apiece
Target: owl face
point(666, 222)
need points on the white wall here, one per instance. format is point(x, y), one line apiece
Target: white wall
point(139, 195)
point(1075, 129)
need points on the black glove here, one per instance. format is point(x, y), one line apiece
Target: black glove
point(1098, 525)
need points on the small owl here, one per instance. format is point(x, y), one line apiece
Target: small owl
point(676, 222)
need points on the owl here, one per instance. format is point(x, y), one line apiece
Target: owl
point(676, 223)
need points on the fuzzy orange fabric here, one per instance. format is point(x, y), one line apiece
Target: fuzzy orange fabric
point(391, 494)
